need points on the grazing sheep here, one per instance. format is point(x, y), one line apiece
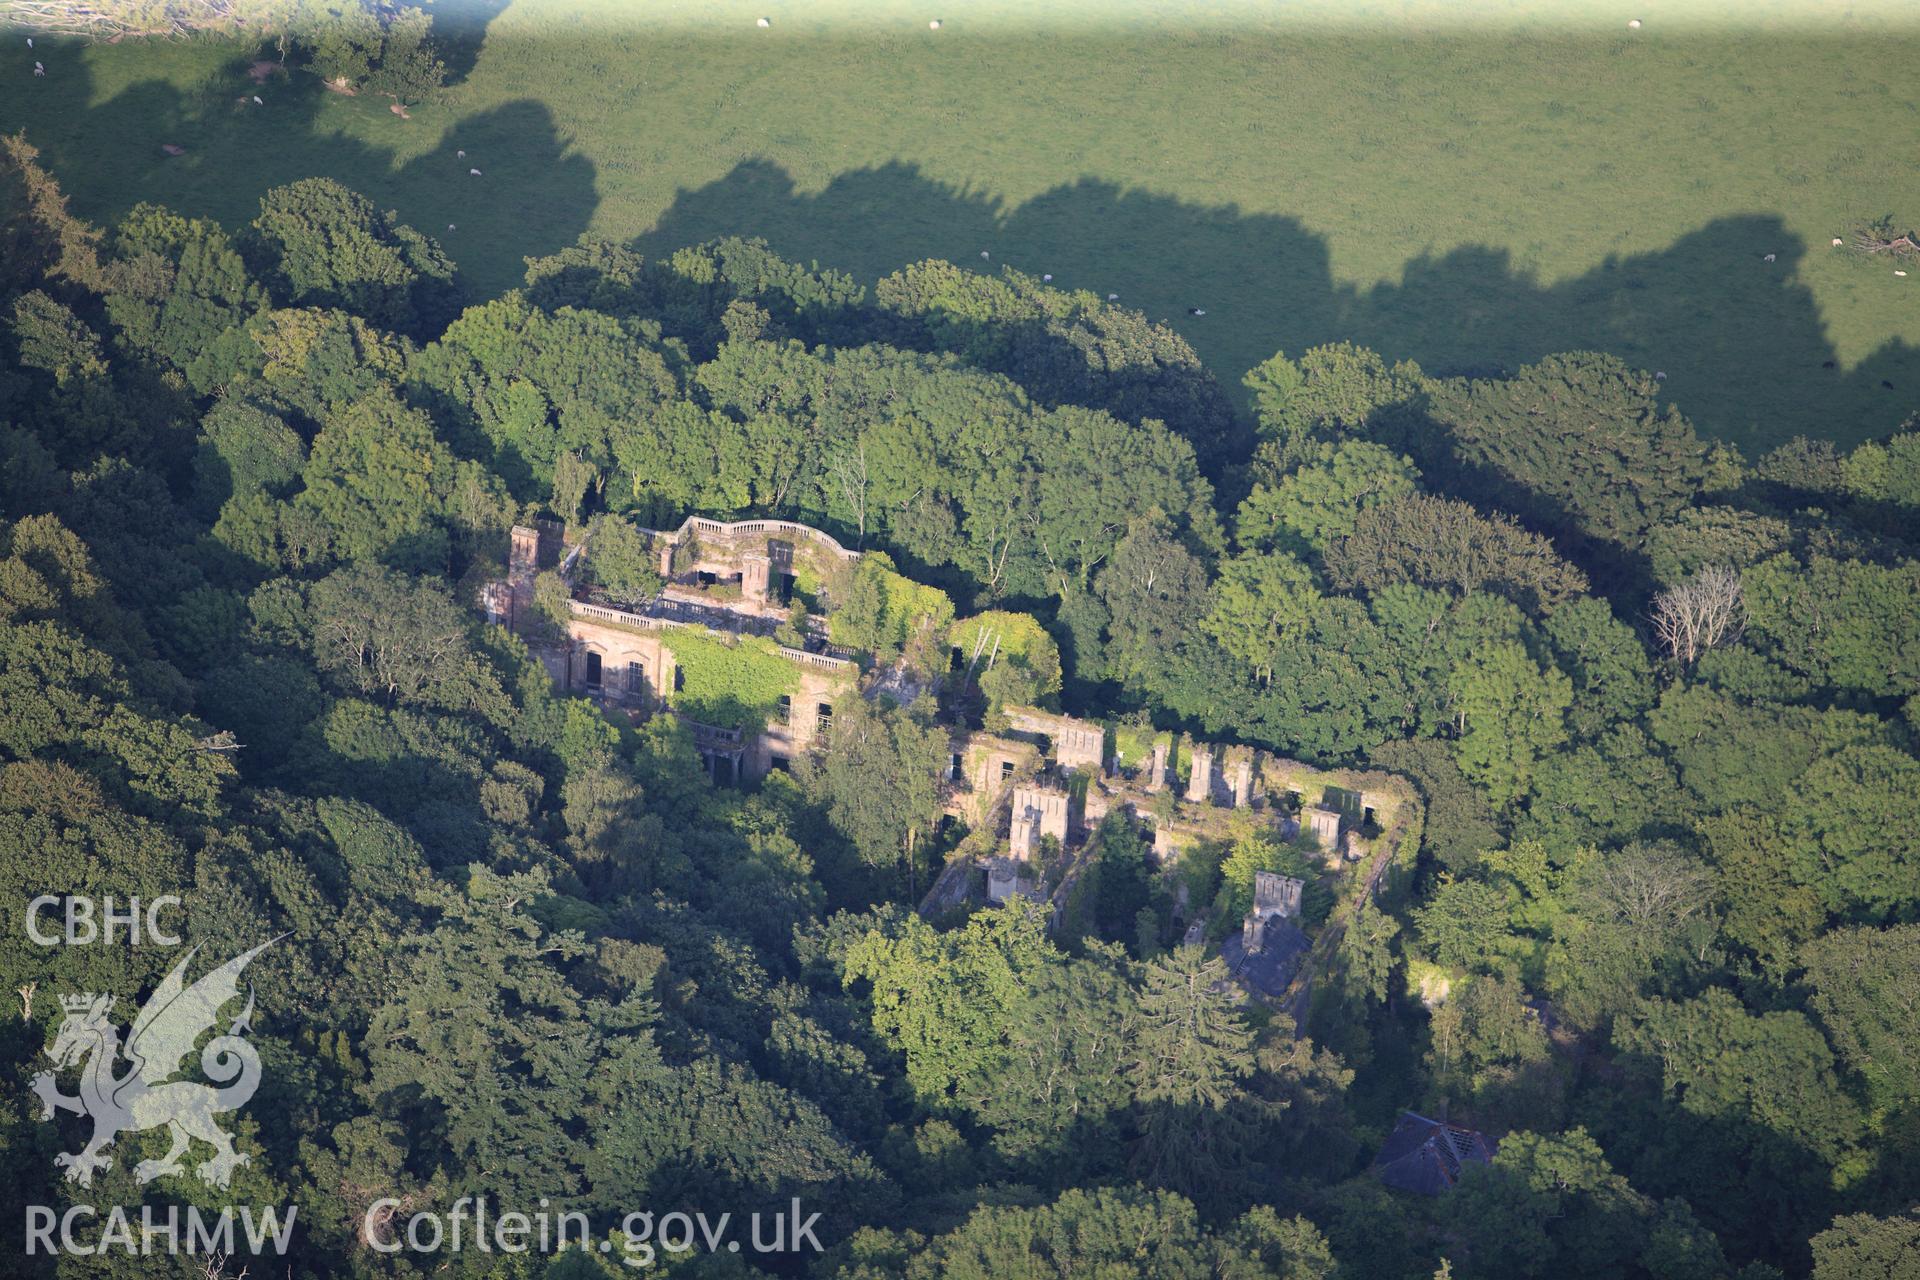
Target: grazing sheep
point(934, 25)
point(1196, 311)
point(1886, 384)
point(257, 102)
point(39, 70)
point(1659, 375)
point(1633, 24)
point(459, 155)
point(983, 253)
point(474, 172)
point(1837, 242)
point(1113, 297)
point(763, 22)
point(449, 226)
point(1827, 364)
point(1769, 257)
point(172, 149)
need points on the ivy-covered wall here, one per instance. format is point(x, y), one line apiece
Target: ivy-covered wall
point(736, 683)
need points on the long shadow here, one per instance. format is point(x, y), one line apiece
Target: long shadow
point(532, 192)
point(1740, 340)
point(459, 29)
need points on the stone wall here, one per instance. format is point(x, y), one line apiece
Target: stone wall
point(1037, 812)
point(1072, 743)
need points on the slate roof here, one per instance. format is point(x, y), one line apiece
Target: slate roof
point(1426, 1156)
point(1273, 968)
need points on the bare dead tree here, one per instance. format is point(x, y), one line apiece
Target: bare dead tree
point(1649, 887)
point(850, 471)
point(26, 1000)
point(215, 1268)
point(1705, 611)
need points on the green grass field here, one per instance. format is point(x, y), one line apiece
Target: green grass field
point(1471, 198)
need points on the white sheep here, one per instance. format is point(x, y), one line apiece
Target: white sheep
point(983, 253)
point(1633, 24)
point(257, 102)
point(474, 172)
point(763, 22)
point(934, 25)
point(1660, 375)
point(1113, 297)
point(1837, 242)
point(1048, 277)
point(1769, 257)
point(460, 155)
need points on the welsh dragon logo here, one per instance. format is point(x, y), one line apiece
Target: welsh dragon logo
point(146, 1097)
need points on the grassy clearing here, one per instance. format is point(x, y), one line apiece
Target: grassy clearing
point(1472, 199)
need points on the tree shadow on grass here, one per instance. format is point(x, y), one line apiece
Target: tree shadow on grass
point(1741, 341)
point(459, 29)
point(531, 193)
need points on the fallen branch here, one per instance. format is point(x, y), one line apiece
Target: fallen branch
point(1881, 238)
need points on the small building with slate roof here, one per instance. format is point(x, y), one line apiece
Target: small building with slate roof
point(1427, 1157)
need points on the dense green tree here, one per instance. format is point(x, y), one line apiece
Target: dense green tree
point(1887, 472)
point(1150, 590)
point(1486, 1044)
point(1576, 442)
point(945, 1000)
point(1445, 544)
point(1333, 391)
point(1550, 1202)
point(1512, 712)
point(621, 559)
point(321, 245)
point(182, 295)
point(528, 386)
point(1773, 1070)
point(382, 49)
point(1064, 347)
point(378, 477)
point(1259, 601)
point(1616, 786)
point(1320, 502)
point(1848, 624)
point(245, 449)
point(1155, 1235)
point(878, 775)
point(1612, 679)
point(1859, 1246)
point(320, 360)
point(1734, 750)
point(1866, 989)
point(1192, 1052)
point(1631, 916)
point(396, 636)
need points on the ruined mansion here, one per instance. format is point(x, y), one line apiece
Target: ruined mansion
point(1029, 793)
